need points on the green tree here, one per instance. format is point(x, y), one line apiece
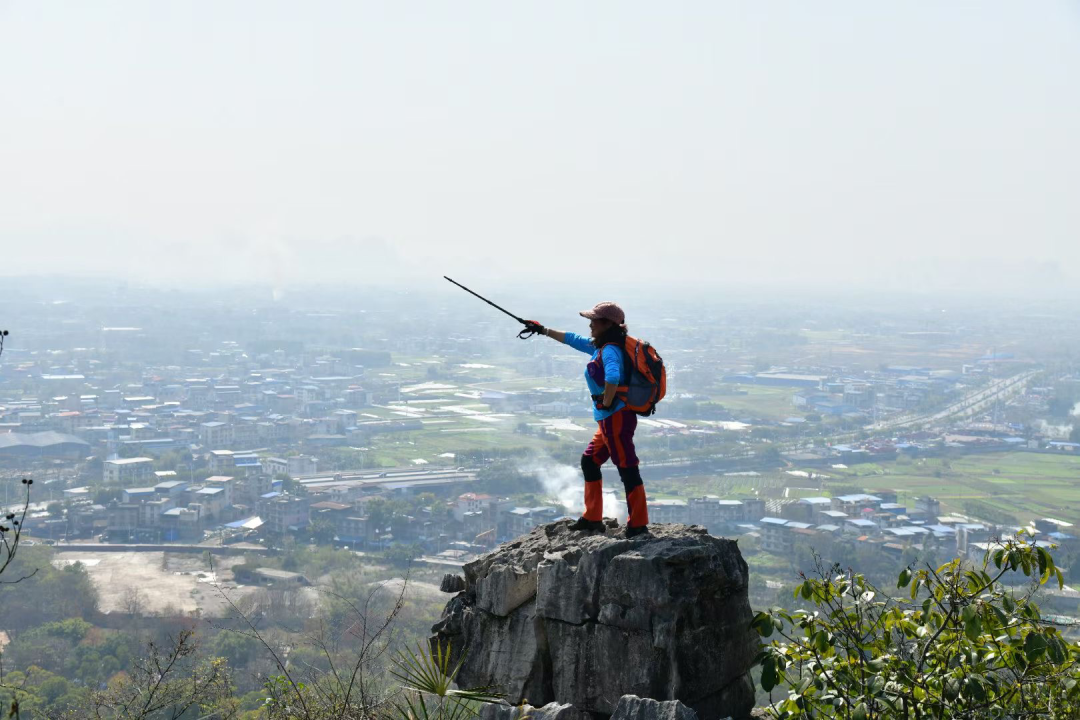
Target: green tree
point(37, 649)
point(106, 494)
point(402, 555)
point(53, 688)
point(291, 486)
point(961, 644)
point(237, 648)
point(377, 513)
point(46, 594)
point(170, 681)
point(769, 454)
point(322, 531)
point(1063, 402)
point(504, 478)
point(127, 451)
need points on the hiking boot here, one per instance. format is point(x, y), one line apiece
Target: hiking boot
point(635, 531)
point(581, 524)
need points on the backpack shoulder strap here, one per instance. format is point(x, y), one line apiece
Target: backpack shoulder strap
point(620, 389)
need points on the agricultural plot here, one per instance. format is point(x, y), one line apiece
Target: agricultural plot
point(731, 486)
point(1021, 484)
point(760, 401)
point(404, 449)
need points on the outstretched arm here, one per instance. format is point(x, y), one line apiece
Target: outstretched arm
point(555, 334)
point(578, 342)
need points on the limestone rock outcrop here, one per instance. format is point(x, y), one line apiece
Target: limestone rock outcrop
point(631, 707)
point(583, 619)
point(452, 583)
point(551, 711)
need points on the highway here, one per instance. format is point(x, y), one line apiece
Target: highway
point(968, 405)
point(388, 478)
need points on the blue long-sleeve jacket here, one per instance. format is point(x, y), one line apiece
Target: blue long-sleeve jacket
point(601, 368)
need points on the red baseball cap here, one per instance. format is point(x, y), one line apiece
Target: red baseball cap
point(607, 311)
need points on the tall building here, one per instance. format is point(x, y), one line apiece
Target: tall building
point(284, 514)
point(128, 471)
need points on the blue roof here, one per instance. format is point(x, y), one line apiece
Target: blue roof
point(858, 497)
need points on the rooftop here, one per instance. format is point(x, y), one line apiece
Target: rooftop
point(279, 574)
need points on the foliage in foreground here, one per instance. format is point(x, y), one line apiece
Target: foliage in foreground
point(427, 681)
point(962, 645)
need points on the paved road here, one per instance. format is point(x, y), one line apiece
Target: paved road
point(968, 405)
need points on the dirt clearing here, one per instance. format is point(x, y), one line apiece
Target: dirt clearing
point(154, 582)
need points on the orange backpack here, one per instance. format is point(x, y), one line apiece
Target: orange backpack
point(645, 376)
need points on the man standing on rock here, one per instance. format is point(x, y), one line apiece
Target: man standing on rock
point(614, 439)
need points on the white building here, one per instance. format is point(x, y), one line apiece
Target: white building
point(302, 465)
point(471, 503)
point(668, 511)
point(128, 471)
point(226, 482)
point(293, 466)
point(216, 435)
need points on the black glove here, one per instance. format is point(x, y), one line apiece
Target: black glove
point(531, 328)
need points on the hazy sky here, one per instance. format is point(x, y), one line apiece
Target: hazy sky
point(283, 142)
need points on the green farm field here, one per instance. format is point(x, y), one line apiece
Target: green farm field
point(761, 401)
point(399, 450)
point(1022, 484)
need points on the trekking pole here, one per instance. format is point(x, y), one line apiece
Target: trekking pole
point(523, 335)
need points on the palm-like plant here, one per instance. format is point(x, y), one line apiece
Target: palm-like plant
point(428, 679)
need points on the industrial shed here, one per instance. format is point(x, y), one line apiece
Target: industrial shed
point(47, 444)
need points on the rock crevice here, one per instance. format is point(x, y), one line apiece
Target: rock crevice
point(582, 619)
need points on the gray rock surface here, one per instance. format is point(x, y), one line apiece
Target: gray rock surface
point(452, 583)
point(551, 711)
point(631, 707)
point(584, 619)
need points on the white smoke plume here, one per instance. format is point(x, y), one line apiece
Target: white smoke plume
point(565, 486)
point(1056, 432)
point(1076, 410)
